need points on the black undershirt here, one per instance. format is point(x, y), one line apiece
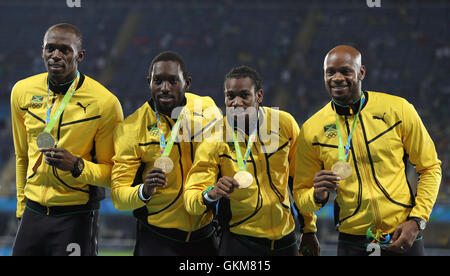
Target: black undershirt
point(354, 106)
point(62, 89)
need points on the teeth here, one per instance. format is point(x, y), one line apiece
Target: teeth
point(238, 110)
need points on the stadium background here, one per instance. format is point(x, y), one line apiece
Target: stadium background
point(405, 47)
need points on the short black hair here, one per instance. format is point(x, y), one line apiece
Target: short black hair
point(70, 27)
point(169, 56)
point(245, 72)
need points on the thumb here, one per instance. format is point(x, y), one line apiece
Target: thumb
point(397, 233)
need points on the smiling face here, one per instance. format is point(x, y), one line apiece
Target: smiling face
point(343, 74)
point(61, 53)
point(242, 99)
point(168, 85)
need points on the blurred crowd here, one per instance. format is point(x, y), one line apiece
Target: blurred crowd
point(405, 48)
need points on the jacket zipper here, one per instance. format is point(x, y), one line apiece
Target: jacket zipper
point(45, 166)
point(265, 193)
point(367, 179)
point(46, 186)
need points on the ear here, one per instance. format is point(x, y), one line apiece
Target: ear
point(149, 79)
point(362, 73)
point(81, 54)
point(259, 96)
point(188, 83)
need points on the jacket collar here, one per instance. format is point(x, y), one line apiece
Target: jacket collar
point(352, 109)
point(63, 89)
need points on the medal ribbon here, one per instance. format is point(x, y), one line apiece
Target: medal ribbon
point(379, 237)
point(166, 148)
point(52, 121)
point(242, 162)
point(343, 150)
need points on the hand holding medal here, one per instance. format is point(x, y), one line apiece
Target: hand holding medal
point(223, 188)
point(154, 179)
point(59, 158)
point(342, 168)
point(325, 181)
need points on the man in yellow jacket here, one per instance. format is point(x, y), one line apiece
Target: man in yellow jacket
point(357, 145)
point(259, 143)
point(156, 192)
point(61, 178)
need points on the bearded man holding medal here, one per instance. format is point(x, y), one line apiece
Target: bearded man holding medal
point(152, 162)
point(357, 145)
point(63, 124)
point(247, 164)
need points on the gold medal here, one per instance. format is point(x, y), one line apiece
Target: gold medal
point(244, 178)
point(164, 163)
point(45, 140)
point(342, 169)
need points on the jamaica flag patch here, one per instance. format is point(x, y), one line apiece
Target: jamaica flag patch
point(330, 131)
point(153, 129)
point(37, 99)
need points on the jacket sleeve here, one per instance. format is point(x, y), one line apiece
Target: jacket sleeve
point(20, 148)
point(203, 174)
point(422, 153)
point(126, 164)
point(99, 174)
point(307, 163)
point(308, 219)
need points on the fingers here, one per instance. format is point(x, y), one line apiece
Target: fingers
point(230, 182)
point(399, 246)
point(52, 157)
point(225, 186)
point(402, 239)
point(396, 235)
point(156, 177)
point(396, 243)
point(59, 158)
point(309, 245)
point(326, 181)
point(44, 150)
point(52, 153)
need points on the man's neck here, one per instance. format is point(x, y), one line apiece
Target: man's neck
point(349, 109)
point(61, 86)
point(61, 82)
point(349, 102)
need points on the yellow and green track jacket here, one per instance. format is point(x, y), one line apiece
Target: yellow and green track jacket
point(262, 210)
point(85, 129)
point(377, 193)
point(136, 142)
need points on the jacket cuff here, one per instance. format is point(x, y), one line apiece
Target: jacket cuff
point(311, 205)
